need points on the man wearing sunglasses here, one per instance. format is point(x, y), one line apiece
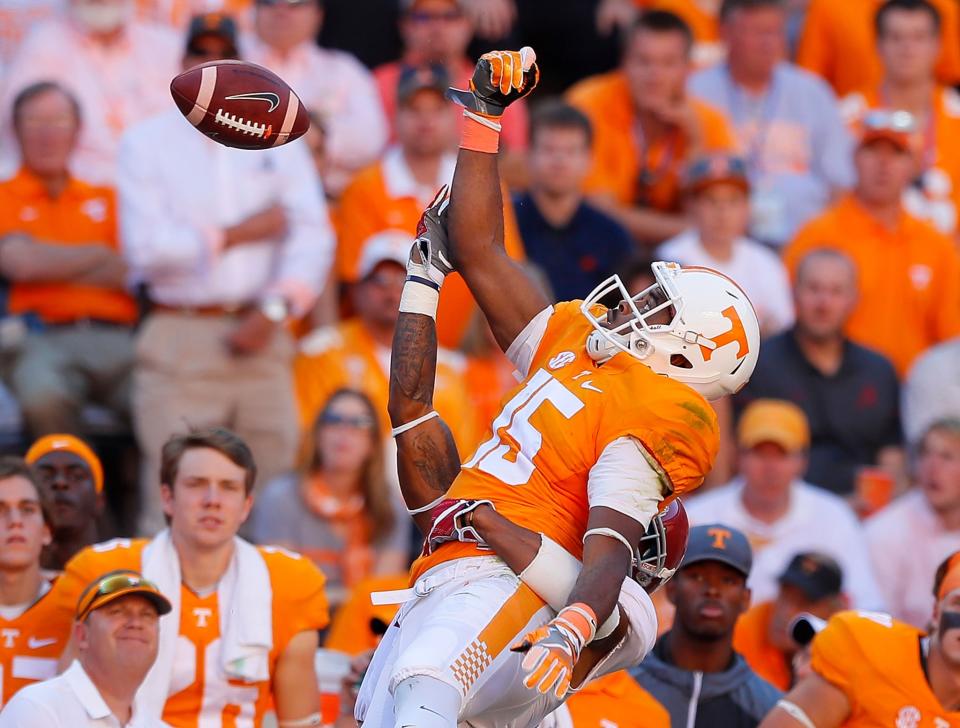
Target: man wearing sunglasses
point(116, 630)
point(244, 630)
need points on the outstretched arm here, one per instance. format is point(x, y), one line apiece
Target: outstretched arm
point(507, 294)
point(427, 457)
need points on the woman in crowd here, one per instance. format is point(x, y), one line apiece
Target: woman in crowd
point(337, 510)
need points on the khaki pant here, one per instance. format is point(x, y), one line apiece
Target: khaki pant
point(186, 377)
point(60, 370)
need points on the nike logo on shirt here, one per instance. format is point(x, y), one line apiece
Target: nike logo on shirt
point(35, 643)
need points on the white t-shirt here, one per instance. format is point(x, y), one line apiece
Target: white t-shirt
point(70, 700)
point(756, 269)
point(907, 542)
point(816, 521)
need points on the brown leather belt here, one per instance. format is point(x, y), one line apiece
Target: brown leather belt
point(235, 310)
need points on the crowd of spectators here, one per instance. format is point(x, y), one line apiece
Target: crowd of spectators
point(154, 282)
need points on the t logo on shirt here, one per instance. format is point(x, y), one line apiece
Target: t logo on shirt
point(9, 636)
point(202, 614)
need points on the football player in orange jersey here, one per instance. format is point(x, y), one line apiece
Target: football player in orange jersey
point(243, 632)
point(871, 671)
point(33, 632)
point(602, 429)
point(428, 462)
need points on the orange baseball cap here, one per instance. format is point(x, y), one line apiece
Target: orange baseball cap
point(71, 444)
point(116, 584)
point(774, 420)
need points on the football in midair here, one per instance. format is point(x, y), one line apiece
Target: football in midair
point(240, 104)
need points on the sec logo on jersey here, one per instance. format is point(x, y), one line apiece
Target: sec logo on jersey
point(561, 359)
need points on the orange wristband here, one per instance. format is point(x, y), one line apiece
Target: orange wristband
point(478, 137)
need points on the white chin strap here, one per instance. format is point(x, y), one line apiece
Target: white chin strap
point(601, 349)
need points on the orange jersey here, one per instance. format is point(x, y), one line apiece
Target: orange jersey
point(913, 259)
point(875, 661)
point(616, 701)
point(751, 639)
point(346, 355)
point(200, 692)
point(557, 422)
point(31, 644)
point(838, 43)
point(368, 206)
point(81, 215)
point(619, 161)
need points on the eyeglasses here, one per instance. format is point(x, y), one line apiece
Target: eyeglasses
point(360, 422)
point(107, 586)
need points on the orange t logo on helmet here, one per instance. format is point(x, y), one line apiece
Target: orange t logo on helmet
point(720, 537)
point(735, 334)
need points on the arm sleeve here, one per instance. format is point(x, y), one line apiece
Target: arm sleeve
point(308, 250)
point(524, 348)
point(623, 480)
point(154, 238)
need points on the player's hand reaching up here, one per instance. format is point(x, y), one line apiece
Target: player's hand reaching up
point(499, 79)
point(552, 651)
point(430, 256)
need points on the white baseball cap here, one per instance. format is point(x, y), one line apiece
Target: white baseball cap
point(386, 246)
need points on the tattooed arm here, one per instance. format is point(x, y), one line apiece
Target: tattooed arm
point(427, 458)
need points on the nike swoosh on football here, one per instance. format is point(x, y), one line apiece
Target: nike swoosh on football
point(35, 644)
point(268, 96)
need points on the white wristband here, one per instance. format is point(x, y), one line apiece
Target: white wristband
point(611, 623)
point(419, 298)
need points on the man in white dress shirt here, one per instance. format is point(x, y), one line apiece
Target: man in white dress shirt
point(230, 244)
point(117, 636)
point(332, 84)
point(910, 537)
point(781, 514)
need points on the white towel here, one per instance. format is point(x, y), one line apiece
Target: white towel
point(245, 601)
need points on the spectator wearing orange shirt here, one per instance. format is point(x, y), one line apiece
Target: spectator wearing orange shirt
point(838, 43)
point(646, 129)
point(908, 273)
point(391, 195)
point(908, 42)
point(812, 583)
point(59, 250)
point(437, 32)
point(118, 68)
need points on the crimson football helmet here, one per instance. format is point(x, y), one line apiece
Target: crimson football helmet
point(662, 547)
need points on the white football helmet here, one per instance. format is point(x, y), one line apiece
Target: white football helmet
point(711, 338)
